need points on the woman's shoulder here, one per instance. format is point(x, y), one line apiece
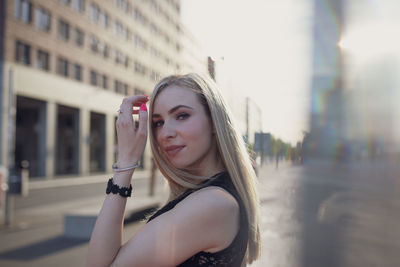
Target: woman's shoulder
point(214, 210)
point(212, 197)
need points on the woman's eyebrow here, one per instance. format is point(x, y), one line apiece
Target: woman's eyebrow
point(172, 110)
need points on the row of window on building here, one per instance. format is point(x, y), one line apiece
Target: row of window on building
point(66, 32)
point(69, 69)
point(102, 18)
point(126, 6)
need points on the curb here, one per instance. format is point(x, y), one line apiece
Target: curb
point(80, 180)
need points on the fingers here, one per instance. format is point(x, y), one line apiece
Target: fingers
point(142, 130)
point(125, 119)
point(132, 101)
point(128, 103)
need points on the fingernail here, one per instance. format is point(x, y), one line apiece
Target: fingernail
point(143, 107)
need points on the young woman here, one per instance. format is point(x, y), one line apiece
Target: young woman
point(212, 216)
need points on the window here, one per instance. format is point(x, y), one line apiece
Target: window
point(139, 42)
point(104, 19)
point(139, 68)
point(94, 43)
point(79, 37)
point(118, 28)
point(139, 17)
point(93, 78)
point(116, 86)
point(77, 72)
point(63, 30)
point(125, 89)
point(106, 51)
point(104, 81)
point(78, 5)
point(23, 10)
point(155, 75)
point(62, 67)
point(22, 53)
point(42, 60)
point(119, 57)
point(126, 61)
point(43, 19)
point(94, 12)
point(138, 91)
point(123, 4)
point(65, 2)
point(120, 88)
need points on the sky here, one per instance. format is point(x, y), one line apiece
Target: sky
point(266, 44)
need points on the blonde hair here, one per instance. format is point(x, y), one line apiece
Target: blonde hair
point(231, 148)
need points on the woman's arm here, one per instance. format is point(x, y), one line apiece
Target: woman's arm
point(106, 237)
point(207, 220)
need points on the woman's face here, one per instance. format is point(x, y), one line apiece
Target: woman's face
point(183, 131)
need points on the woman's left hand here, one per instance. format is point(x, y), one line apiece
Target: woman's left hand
point(131, 140)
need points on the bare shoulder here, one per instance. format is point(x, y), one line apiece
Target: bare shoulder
point(215, 212)
point(206, 220)
point(213, 198)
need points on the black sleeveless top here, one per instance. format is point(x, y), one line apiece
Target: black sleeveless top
point(232, 255)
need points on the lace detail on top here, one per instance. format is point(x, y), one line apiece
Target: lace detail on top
point(232, 255)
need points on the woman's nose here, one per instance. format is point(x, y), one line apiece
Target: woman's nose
point(167, 131)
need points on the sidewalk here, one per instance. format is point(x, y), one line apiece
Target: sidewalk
point(37, 238)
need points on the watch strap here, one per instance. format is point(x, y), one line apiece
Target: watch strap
point(116, 189)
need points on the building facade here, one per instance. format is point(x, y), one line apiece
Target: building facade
point(326, 111)
point(66, 66)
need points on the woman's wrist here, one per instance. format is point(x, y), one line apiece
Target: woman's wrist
point(123, 178)
point(125, 163)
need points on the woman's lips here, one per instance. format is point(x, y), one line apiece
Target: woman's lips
point(173, 150)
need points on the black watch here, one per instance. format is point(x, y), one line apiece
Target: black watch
point(115, 189)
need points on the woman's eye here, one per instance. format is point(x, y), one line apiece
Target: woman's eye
point(182, 116)
point(157, 124)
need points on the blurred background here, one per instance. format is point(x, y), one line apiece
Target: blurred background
point(313, 86)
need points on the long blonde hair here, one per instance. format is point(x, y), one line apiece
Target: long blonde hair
point(231, 148)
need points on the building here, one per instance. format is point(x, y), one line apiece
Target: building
point(192, 54)
point(326, 118)
point(66, 66)
point(354, 111)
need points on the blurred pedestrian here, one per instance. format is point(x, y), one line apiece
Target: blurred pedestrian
point(211, 218)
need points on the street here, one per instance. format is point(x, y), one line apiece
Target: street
point(295, 232)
